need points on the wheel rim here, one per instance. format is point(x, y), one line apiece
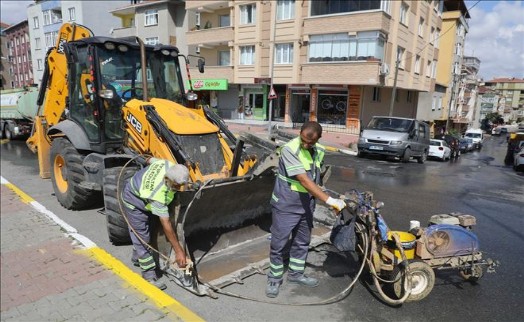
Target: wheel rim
point(419, 283)
point(59, 169)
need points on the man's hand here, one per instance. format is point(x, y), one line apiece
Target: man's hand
point(180, 258)
point(338, 204)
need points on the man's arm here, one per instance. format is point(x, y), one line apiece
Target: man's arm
point(173, 239)
point(312, 187)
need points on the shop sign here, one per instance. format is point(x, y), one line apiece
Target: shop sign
point(209, 84)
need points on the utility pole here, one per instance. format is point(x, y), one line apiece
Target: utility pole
point(451, 98)
point(394, 91)
point(272, 64)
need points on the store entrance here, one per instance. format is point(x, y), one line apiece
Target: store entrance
point(299, 107)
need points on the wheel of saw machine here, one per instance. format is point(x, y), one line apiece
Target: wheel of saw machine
point(67, 174)
point(117, 227)
point(422, 281)
point(472, 274)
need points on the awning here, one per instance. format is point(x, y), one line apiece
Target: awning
point(208, 84)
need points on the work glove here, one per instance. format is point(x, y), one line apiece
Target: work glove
point(338, 204)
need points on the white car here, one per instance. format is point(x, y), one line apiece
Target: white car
point(439, 149)
point(518, 163)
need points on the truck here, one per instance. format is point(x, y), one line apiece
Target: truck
point(17, 109)
point(106, 102)
point(477, 135)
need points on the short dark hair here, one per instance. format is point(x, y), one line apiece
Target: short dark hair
point(312, 126)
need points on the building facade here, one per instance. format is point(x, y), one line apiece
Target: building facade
point(45, 18)
point(5, 64)
point(330, 61)
point(510, 94)
point(19, 55)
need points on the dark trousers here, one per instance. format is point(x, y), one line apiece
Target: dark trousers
point(144, 225)
point(284, 226)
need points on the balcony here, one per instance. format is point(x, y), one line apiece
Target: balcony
point(123, 32)
point(210, 37)
point(358, 73)
point(356, 21)
point(205, 5)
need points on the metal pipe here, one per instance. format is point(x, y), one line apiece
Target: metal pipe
point(144, 68)
point(272, 62)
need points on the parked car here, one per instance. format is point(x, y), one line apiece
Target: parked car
point(477, 135)
point(518, 162)
point(439, 149)
point(466, 145)
point(453, 143)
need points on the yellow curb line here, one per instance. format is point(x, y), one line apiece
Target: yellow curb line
point(160, 298)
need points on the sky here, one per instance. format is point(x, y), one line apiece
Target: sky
point(496, 34)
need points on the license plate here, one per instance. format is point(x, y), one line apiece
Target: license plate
point(374, 147)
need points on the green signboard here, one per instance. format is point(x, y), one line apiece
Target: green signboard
point(209, 84)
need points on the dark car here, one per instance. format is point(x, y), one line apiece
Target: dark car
point(465, 145)
point(453, 144)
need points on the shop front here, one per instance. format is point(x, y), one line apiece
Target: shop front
point(207, 90)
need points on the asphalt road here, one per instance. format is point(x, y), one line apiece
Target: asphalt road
point(478, 184)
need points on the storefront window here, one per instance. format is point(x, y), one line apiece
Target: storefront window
point(332, 107)
point(299, 105)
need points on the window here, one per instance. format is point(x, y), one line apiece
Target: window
point(439, 103)
point(437, 37)
point(433, 103)
point(36, 23)
point(151, 17)
point(428, 69)
point(50, 38)
point(224, 58)
point(421, 27)
point(197, 19)
point(409, 97)
point(432, 36)
point(417, 65)
point(248, 14)
point(151, 40)
point(400, 57)
point(285, 9)
point(17, 41)
point(376, 94)
point(404, 8)
point(39, 64)
point(37, 43)
point(386, 6)
point(329, 7)
point(247, 55)
point(283, 53)
point(434, 69)
point(47, 17)
point(72, 15)
point(224, 21)
point(343, 47)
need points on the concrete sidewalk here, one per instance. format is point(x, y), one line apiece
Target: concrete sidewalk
point(48, 276)
point(334, 141)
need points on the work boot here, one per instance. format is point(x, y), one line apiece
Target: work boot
point(272, 289)
point(303, 280)
point(157, 283)
point(135, 262)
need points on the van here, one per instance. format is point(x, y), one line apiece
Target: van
point(398, 137)
point(477, 136)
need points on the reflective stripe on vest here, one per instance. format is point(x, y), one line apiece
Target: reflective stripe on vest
point(308, 163)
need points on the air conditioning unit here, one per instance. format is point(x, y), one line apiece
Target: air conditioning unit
point(384, 69)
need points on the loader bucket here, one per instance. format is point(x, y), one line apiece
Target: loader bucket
point(225, 203)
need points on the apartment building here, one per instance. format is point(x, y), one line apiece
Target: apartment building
point(330, 61)
point(467, 114)
point(487, 102)
point(19, 54)
point(47, 16)
point(510, 91)
point(5, 65)
point(449, 67)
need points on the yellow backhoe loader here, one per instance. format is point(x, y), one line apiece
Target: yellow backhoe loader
point(106, 101)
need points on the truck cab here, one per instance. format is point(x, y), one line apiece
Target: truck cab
point(477, 135)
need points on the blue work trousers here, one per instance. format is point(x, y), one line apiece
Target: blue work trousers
point(284, 226)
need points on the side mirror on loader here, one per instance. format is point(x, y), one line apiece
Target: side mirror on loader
point(201, 64)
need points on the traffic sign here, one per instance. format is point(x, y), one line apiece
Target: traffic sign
point(272, 94)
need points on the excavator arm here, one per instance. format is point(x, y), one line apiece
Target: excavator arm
point(53, 95)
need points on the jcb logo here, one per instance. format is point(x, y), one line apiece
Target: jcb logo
point(134, 122)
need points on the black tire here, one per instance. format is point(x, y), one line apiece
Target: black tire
point(422, 281)
point(423, 158)
point(407, 155)
point(8, 134)
point(117, 227)
point(472, 274)
point(360, 154)
point(67, 174)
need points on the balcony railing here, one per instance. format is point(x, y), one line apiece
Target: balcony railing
point(124, 32)
point(211, 36)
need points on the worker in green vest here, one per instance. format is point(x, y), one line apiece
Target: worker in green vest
point(146, 197)
point(293, 202)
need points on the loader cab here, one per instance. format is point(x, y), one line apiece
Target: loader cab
point(106, 73)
